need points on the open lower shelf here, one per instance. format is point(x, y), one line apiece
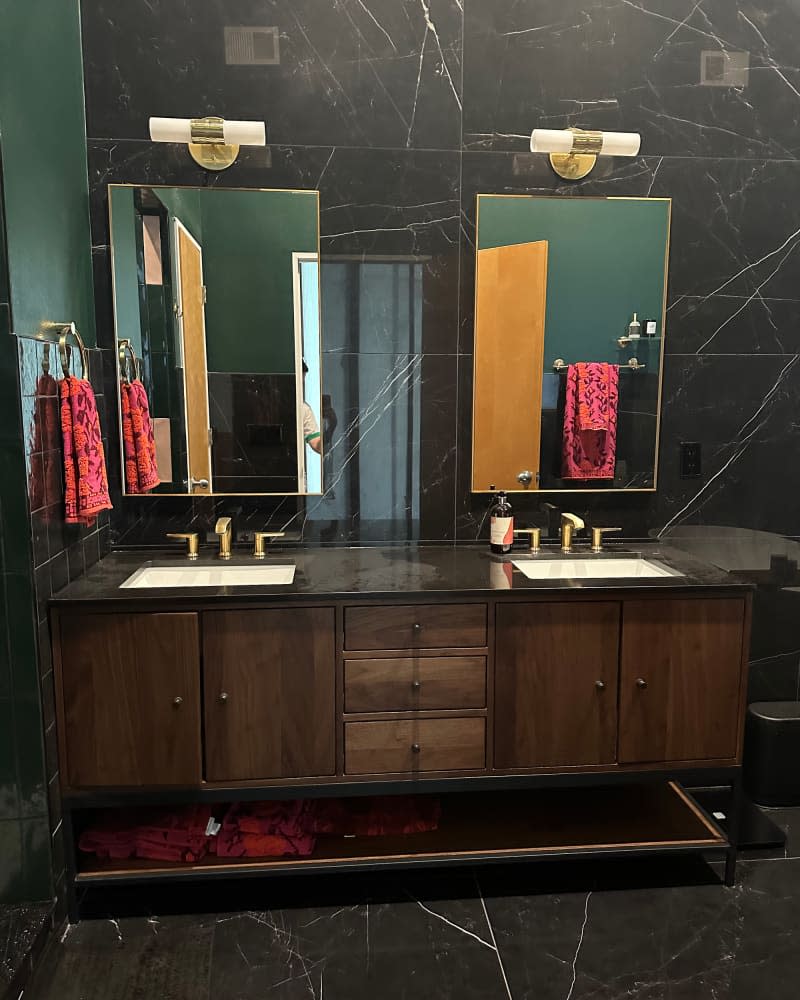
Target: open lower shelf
point(479, 827)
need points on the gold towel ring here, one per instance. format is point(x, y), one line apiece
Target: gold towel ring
point(65, 351)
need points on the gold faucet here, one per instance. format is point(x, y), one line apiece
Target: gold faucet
point(223, 529)
point(192, 540)
point(570, 523)
point(259, 538)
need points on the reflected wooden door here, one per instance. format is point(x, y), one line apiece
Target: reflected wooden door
point(509, 365)
point(191, 313)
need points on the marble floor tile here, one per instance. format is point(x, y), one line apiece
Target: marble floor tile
point(650, 929)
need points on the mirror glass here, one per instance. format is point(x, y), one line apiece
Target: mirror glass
point(217, 312)
point(569, 342)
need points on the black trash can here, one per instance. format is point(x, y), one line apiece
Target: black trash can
point(772, 753)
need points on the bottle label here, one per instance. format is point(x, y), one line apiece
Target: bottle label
point(501, 531)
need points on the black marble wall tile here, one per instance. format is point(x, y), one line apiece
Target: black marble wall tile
point(254, 421)
point(349, 74)
point(632, 66)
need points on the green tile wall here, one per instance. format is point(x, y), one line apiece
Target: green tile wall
point(45, 273)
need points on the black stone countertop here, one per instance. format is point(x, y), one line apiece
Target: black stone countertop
point(416, 572)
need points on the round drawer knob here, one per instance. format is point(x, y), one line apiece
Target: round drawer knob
point(600, 685)
point(641, 683)
point(177, 702)
point(223, 697)
point(415, 748)
point(417, 627)
point(416, 685)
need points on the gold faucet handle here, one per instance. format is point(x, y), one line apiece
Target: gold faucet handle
point(260, 537)
point(535, 535)
point(192, 540)
point(597, 537)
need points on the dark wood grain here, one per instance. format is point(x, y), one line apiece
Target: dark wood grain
point(388, 747)
point(406, 684)
point(415, 626)
point(688, 653)
point(276, 669)
point(549, 661)
point(120, 676)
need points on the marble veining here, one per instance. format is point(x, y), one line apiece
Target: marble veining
point(575, 931)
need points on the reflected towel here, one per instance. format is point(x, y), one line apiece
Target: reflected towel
point(138, 440)
point(85, 476)
point(590, 421)
point(44, 483)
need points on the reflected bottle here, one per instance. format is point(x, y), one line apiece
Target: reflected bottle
point(501, 525)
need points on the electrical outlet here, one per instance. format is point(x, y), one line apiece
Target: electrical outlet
point(691, 460)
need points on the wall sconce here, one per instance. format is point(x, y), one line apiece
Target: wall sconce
point(574, 151)
point(213, 142)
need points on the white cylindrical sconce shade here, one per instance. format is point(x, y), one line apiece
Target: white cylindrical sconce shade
point(233, 133)
point(549, 140)
point(245, 133)
point(170, 130)
point(621, 144)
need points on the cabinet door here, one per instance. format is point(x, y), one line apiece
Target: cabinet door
point(130, 699)
point(269, 685)
point(681, 679)
point(556, 670)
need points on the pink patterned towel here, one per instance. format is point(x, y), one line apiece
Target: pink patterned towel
point(141, 469)
point(590, 421)
point(85, 478)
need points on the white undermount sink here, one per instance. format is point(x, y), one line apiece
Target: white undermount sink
point(210, 576)
point(592, 569)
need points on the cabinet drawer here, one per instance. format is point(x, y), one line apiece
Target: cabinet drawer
point(414, 745)
point(415, 626)
point(406, 684)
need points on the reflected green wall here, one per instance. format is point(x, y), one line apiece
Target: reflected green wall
point(248, 241)
point(606, 260)
point(126, 267)
point(248, 238)
point(44, 162)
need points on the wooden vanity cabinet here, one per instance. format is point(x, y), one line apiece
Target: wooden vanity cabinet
point(680, 689)
point(269, 693)
point(410, 691)
point(556, 668)
point(677, 664)
point(129, 699)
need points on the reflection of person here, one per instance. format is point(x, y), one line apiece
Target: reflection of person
point(311, 434)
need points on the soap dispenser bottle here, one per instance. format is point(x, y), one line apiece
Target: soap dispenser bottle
point(501, 525)
point(634, 328)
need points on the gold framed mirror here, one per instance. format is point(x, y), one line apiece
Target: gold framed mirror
point(570, 313)
point(217, 297)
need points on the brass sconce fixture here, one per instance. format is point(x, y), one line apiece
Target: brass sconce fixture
point(574, 151)
point(213, 142)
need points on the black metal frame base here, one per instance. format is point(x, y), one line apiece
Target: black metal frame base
point(729, 777)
